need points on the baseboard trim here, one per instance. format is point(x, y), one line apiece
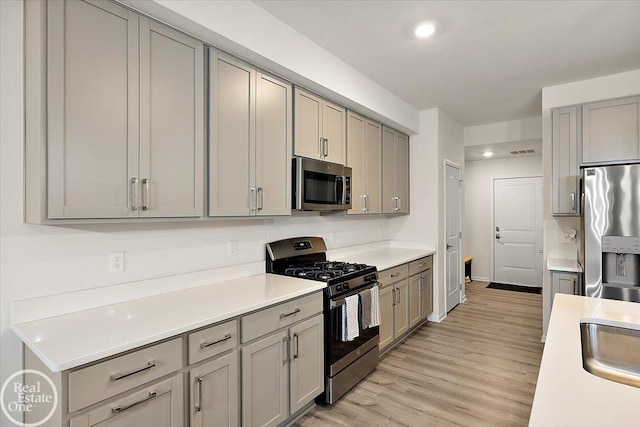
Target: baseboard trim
point(480, 279)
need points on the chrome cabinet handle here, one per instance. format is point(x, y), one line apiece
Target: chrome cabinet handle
point(321, 146)
point(209, 344)
point(394, 275)
point(296, 311)
point(326, 147)
point(133, 199)
point(365, 198)
point(260, 198)
point(116, 377)
point(198, 407)
point(253, 202)
point(145, 184)
point(393, 296)
point(297, 339)
point(119, 409)
point(421, 281)
point(285, 344)
point(398, 295)
point(399, 203)
point(573, 201)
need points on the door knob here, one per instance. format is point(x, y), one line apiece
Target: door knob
point(449, 246)
point(497, 236)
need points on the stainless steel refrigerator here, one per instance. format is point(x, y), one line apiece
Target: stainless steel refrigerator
point(611, 245)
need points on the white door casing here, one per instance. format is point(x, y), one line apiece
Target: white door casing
point(517, 207)
point(452, 219)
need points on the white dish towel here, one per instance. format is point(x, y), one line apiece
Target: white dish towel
point(350, 325)
point(375, 308)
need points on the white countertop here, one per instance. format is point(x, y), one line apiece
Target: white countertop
point(567, 265)
point(67, 341)
point(566, 394)
point(384, 258)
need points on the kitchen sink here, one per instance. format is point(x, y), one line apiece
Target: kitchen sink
point(611, 352)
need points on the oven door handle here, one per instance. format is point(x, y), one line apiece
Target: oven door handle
point(341, 302)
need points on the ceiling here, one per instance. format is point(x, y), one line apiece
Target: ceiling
point(504, 150)
point(488, 60)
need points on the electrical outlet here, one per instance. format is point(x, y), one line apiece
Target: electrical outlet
point(117, 262)
point(233, 247)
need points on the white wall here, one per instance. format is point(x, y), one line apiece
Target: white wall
point(45, 260)
point(496, 133)
point(607, 87)
point(478, 212)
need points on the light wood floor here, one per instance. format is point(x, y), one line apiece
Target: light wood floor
point(476, 368)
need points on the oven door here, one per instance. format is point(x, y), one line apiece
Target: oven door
point(340, 354)
point(321, 186)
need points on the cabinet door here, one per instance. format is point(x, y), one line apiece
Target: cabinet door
point(426, 294)
point(415, 283)
point(564, 123)
point(265, 381)
point(307, 124)
point(388, 170)
point(356, 129)
point(611, 130)
point(160, 405)
point(231, 137)
point(373, 166)
point(401, 173)
point(214, 392)
point(307, 362)
point(92, 109)
point(385, 300)
point(171, 122)
point(334, 132)
point(401, 309)
point(273, 146)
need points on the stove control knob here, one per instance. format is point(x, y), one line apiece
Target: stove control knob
point(345, 286)
point(338, 288)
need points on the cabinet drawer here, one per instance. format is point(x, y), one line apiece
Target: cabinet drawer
point(271, 319)
point(211, 341)
point(420, 265)
point(393, 275)
point(100, 381)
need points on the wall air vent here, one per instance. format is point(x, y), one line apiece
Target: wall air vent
point(521, 152)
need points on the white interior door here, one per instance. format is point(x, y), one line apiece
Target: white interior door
point(452, 236)
point(517, 207)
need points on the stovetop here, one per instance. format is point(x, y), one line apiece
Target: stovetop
point(326, 270)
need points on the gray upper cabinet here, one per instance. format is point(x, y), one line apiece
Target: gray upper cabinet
point(611, 131)
point(364, 151)
point(92, 109)
point(565, 170)
point(250, 140)
point(320, 128)
point(171, 122)
point(124, 113)
point(395, 172)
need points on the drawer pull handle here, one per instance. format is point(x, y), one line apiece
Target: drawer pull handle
point(395, 275)
point(209, 344)
point(420, 265)
point(119, 409)
point(296, 311)
point(150, 364)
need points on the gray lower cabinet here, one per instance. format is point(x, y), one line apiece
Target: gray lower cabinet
point(125, 115)
point(364, 151)
point(214, 392)
point(282, 373)
point(405, 299)
point(565, 168)
point(611, 131)
point(250, 140)
point(395, 172)
point(159, 405)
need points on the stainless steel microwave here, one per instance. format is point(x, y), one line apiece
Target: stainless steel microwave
point(320, 186)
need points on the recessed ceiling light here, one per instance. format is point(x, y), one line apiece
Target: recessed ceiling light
point(424, 30)
point(488, 153)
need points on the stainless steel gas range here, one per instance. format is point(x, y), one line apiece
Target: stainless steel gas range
point(348, 358)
